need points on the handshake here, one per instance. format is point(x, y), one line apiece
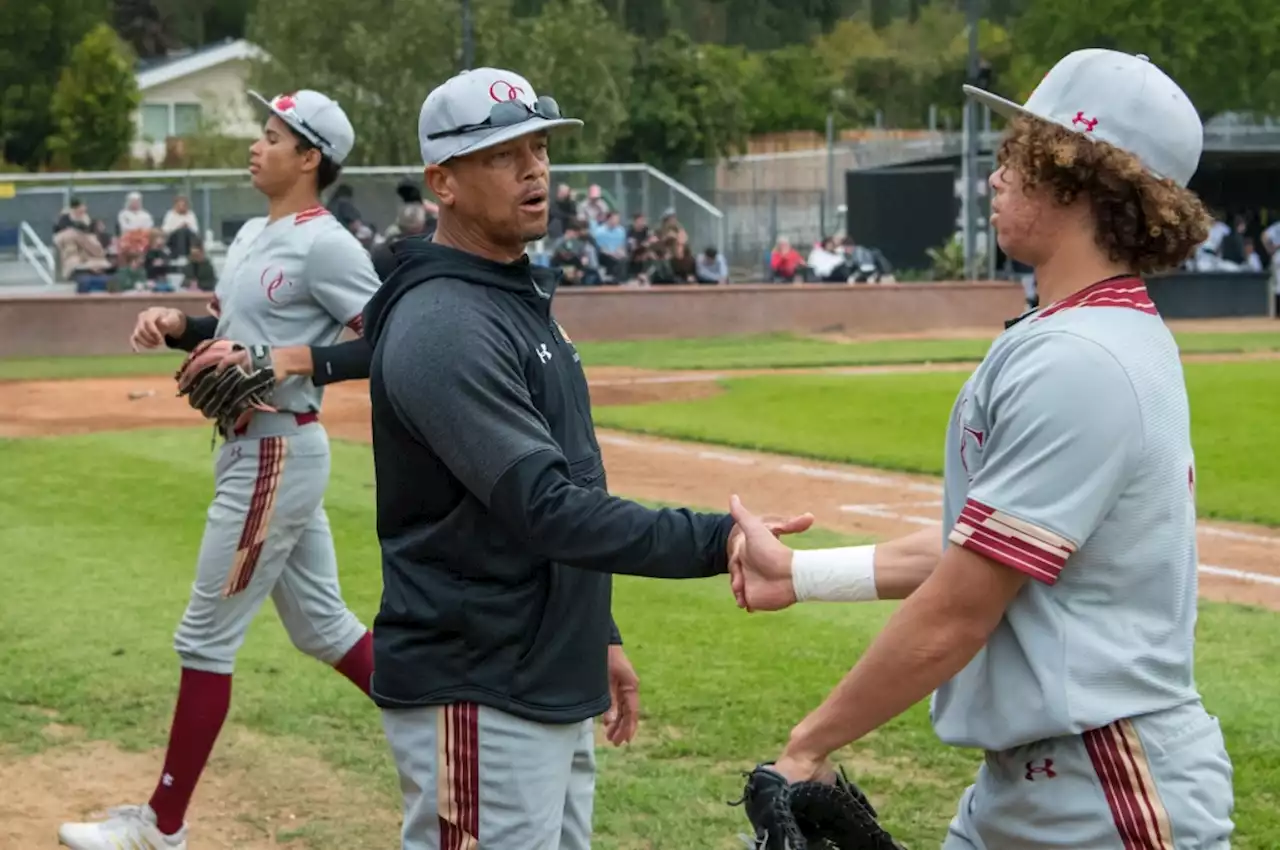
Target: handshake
point(760, 564)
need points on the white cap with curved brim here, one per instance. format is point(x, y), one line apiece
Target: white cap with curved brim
point(315, 117)
point(1121, 99)
point(455, 117)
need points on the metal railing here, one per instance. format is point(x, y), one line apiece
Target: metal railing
point(223, 199)
point(33, 251)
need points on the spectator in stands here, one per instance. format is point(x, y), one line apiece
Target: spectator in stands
point(658, 269)
point(181, 227)
point(669, 225)
point(1252, 260)
point(342, 206)
point(611, 242)
point(712, 267)
point(412, 221)
point(785, 263)
point(130, 275)
point(104, 236)
point(573, 255)
point(76, 215)
point(562, 213)
point(199, 273)
point(684, 266)
point(595, 208)
point(82, 259)
point(157, 261)
point(828, 263)
point(133, 217)
point(638, 237)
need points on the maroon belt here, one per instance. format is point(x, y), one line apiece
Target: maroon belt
point(300, 418)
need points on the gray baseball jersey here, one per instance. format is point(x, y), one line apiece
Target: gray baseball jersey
point(296, 281)
point(1069, 458)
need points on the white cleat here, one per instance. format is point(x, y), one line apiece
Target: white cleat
point(126, 828)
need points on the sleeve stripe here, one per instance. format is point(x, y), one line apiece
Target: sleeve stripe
point(1011, 527)
point(1012, 542)
point(1001, 554)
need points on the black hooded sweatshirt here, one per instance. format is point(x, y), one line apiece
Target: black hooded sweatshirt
point(499, 537)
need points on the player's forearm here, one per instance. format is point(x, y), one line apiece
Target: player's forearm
point(920, 648)
point(195, 330)
point(891, 570)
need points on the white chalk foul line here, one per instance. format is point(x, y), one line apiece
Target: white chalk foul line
point(860, 478)
point(883, 512)
point(1207, 569)
point(1227, 572)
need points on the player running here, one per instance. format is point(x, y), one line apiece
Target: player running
point(293, 279)
point(1057, 629)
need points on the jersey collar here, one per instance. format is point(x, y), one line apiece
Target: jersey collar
point(1121, 291)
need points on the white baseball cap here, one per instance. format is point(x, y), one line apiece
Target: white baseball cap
point(1120, 99)
point(481, 108)
point(315, 117)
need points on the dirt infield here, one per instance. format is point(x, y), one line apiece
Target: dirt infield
point(1240, 560)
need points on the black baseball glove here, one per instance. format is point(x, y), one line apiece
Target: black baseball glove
point(216, 383)
point(810, 815)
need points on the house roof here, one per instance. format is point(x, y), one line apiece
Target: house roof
point(166, 69)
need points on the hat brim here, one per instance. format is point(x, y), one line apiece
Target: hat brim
point(505, 134)
point(999, 105)
point(296, 127)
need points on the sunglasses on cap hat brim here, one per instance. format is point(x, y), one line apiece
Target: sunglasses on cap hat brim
point(506, 113)
point(282, 107)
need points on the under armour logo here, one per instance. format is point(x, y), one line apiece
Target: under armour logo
point(1045, 768)
point(543, 354)
point(1089, 123)
point(167, 780)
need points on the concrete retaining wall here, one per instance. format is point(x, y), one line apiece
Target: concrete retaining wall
point(39, 326)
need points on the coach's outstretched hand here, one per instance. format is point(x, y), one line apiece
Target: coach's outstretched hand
point(759, 563)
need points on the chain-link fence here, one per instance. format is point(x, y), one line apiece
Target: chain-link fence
point(224, 199)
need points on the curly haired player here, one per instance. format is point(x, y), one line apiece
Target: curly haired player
point(293, 281)
point(1056, 629)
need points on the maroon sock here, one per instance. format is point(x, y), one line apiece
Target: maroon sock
point(357, 664)
point(203, 702)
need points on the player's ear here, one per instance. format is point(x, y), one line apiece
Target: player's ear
point(311, 159)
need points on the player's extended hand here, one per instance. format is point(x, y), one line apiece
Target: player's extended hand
point(760, 563)
point(154, 324)
point(623, 716)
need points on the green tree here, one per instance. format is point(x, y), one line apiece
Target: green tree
point(381, 74)
point(686, 102)
point(591, 81)
point(94, 102)
point(371, 57)
point(1225, 54)
point(787, 89)
point(36, 38)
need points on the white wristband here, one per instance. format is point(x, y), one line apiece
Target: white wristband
point(846, 574)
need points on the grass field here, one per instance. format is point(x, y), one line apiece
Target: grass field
point(767, 351)
point(87, 623)
point(898, 422)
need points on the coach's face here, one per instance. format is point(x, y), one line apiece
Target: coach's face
point(502, 191)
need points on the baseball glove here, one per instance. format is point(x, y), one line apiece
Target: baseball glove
point(810, 815)
point(214, 381)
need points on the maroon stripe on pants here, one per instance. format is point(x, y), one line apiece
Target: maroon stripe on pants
point(459, 814)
